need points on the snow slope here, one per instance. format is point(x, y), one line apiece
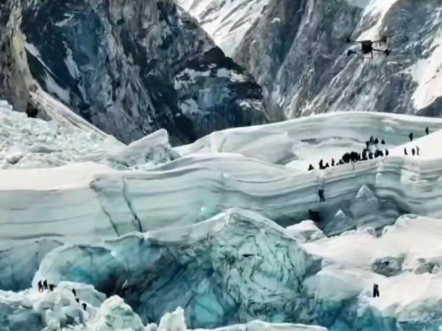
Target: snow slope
point(405, 261)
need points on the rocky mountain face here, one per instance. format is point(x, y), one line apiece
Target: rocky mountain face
point(296, 51)
point(129, 67)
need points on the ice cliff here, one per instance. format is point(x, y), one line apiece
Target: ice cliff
point(296, 52)
point(233, 268)
point(128, 67)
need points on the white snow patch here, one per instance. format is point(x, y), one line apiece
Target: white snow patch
point(226, 22)
point(56, 89)
point(428, 74)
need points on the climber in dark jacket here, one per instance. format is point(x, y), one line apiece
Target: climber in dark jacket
point(74, 292)
point(45, 284)
point(427, 130)
point(405, 151)
point(333, 162)
point(40, 286)
point(370, 156)
point(321, 195)
point(31, 111)
point(375, 290)
point(410, 136)
point(417, 150)
point(367, 144)
point(310, 167)
point(386, 152)
point(321, 165)
point(376, 141)
point(412, 152)
point(51, 287)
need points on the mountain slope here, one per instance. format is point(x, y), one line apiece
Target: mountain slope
point(129, 67)
point(296, 52)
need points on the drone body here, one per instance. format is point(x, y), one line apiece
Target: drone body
point(367, 47)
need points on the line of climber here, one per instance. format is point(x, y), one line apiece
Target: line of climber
point(353, 157)
point(367, 153)
point(45, 286)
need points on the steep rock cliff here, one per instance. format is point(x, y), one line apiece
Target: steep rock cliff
point(129, 67)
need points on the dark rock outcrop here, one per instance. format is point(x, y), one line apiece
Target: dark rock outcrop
point(129, 67)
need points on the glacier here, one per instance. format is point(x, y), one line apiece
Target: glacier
point(217, 234)
point(226, 169)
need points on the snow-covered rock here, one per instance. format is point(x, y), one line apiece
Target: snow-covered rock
point(128, 67)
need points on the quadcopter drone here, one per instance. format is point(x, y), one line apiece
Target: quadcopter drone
point(367, 47)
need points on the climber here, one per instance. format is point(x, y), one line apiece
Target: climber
point(383, 142)
point(367, 46)
point(333, 162)
point(410, 136)
point(367, 143)
point(371, 139)
point(412, 151)
point(321, 195)
point(321, 165)
point(386, 152)
point(375, 290)
point(417, 150)
point(310, 167)
point(405, 151)
point(74, 292)
point(84, 305)
point(370, 156)
point(31, 111)
point(376, 141)
point(427, 130)
point(327, 165)
point(51, 287)
point(45, 284)
point(78, 300)
point(40, 286)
